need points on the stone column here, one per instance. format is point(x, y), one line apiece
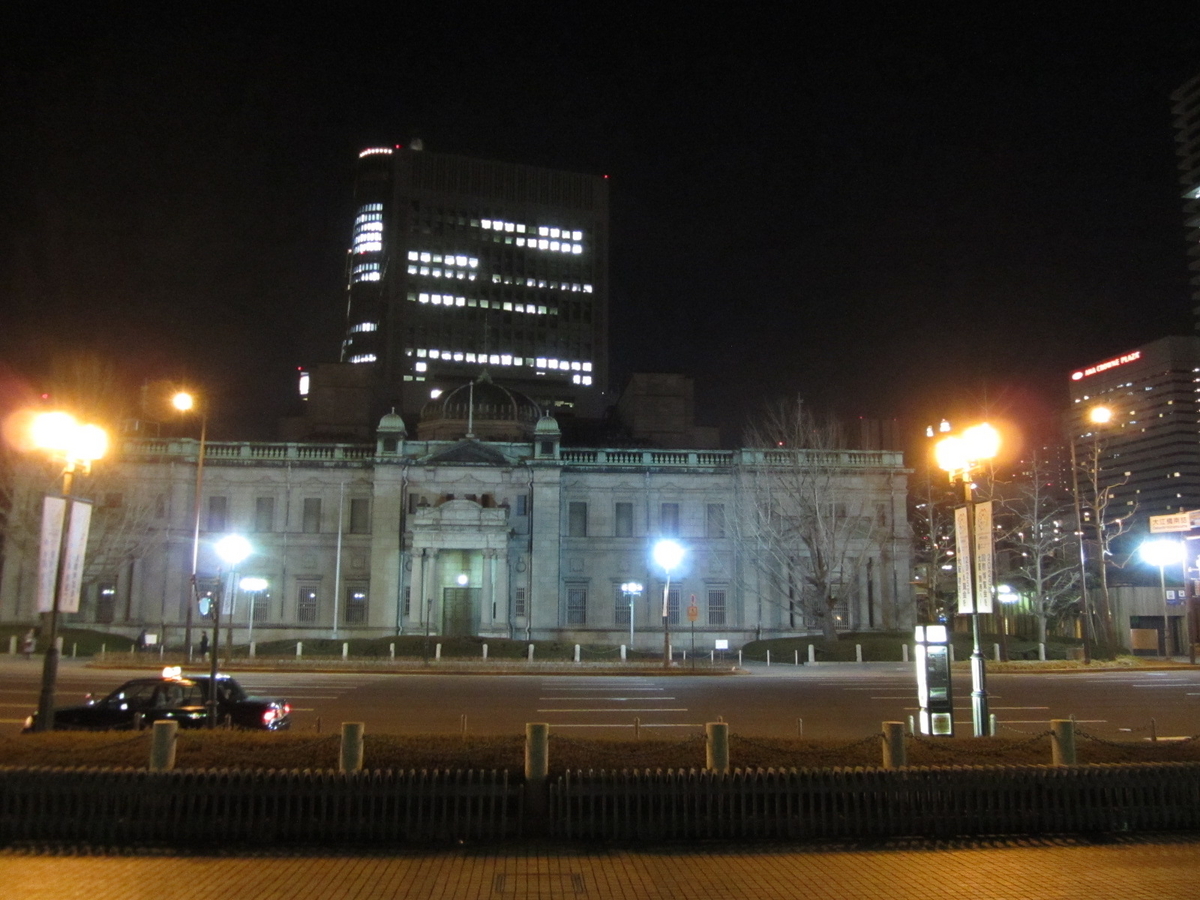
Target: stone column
point(488, 593)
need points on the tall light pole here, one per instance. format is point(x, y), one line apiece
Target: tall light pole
point(1163, 552)
point(233, 548)
point(1097, 415)
point(631, 589)
point(76, 446)
point(668, 554)
point(185, 402)
point(959, 455)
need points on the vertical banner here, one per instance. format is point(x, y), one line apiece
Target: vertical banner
point(78, 526)
point(962, 551)
point(984, 557)
point(54, 510)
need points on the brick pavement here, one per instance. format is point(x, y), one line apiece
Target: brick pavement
point(1162, 868)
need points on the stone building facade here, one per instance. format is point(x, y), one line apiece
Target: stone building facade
point(464, 535)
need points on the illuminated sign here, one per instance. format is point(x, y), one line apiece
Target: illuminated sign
point(1107, 364)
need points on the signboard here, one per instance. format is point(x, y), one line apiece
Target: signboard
point(693, 611)
point(54, 518)
point(962, 551)
point(54, 511)
point(1184, 521)
point(721, 644)
point(985, 557)
point(77, 538)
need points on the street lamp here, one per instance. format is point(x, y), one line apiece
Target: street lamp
point(1097, 415)
point(185, 402)
point(668, 554)
point(631, 589)
point(959, 455)
point(233, 548)
point(1163, 552)
point(76, 446)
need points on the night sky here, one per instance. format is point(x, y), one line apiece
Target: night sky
point(908, 210)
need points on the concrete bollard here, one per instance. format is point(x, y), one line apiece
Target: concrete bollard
point(716, 747)
point(485, 651)
point(576, 653)
point(623, 653)
point(299, 649)
point(637, 728)
point(858, 652)
point(75, 648)
point(768, 659)
point(796, 654)
point(351, 757)
point(904, 652)
point(103, 650)
point(893, 746)
point(162, 746)
point(996, 652)
point(530, 654)
point(462, 724)
point(1062, 742)
point(253, 649)
point(392, 651)
point(437, 651)
point(950, 648)
point(345, 649)
point(537, 767)
point(12, 645)
point(812, 654)
point(799, 728)
point(739, 659)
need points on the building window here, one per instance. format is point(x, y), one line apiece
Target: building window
point(407, 601)
point(621, 606)
point(519, 608)
point(672, 606)
point(264, 514)
point(716, 606)
point(577, 519)
point(218, 513)
point(260, 603)
point(312, 515)
point(522, 508)
point(669, 520)
point(624, 520)
point(356, 605)
point(360, 516)
point(106, 601)
point(714, 520)
point(306, 605)
point(576, 606)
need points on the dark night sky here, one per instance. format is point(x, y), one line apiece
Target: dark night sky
point(908, 210)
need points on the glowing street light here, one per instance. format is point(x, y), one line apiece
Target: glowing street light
point(185, 402)
point(1163, 552)
point(232, 549)
point(76, 446)
point(668, 554)
point(959, 455)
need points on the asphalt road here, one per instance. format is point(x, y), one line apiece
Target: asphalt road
point(838, 701)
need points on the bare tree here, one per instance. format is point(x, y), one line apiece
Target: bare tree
point(808, 519)
point(1041, 545)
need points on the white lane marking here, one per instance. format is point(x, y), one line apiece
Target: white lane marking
point(613, 699)
point(622, 711)
point(603, 688)
point(639, 725)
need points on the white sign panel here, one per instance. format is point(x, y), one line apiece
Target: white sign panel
point(1170, 523)
point(984, 557)
point(54, 510)
point(962, 551)
point(77, 538)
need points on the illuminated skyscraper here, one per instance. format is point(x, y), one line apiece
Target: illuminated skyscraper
point(458, 265)
point(1187, 136)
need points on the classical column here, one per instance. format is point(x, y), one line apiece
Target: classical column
point(486, 615)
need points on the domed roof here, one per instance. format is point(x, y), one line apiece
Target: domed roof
point(479, 409)
point(547, 424)
point(392, 423)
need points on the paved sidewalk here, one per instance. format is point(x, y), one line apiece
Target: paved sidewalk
point(1162, 868)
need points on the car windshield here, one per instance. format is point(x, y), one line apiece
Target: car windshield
point(228, 690)
point(134, 695)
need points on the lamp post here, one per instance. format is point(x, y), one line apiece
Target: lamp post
point(1097, 415)
point(1007, 597)
point(184, 402)
point(668, 554)
point(1163, 552)
point(76, 446)
point(233, 548)
point(631, 589)
point(959, 455)
point(252, 586)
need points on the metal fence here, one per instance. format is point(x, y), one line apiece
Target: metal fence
point(255, 807)
point(876, 803)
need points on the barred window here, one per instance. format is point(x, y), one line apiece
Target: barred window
point(306, 605)
point(260, 605)
point(577, 606)
point(577, 519)
point(519, 608)
point(716, 606)
point(672, 606)
point(356, 605)
point(312, 515)
point(669, 519)
point(106, 601)
point(621, 606)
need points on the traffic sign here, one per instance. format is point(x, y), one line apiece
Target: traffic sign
point(693, 611)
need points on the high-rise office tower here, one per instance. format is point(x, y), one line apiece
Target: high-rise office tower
point(458, 265)
point(1149, 451)
point(1186, 108)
